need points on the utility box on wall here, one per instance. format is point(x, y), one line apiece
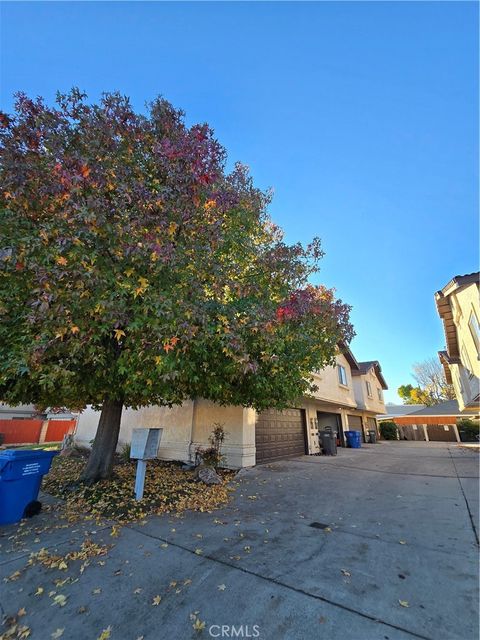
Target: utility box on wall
point(145, 443)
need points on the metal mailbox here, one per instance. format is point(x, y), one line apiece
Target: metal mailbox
point(143, 447)
point(145, 443)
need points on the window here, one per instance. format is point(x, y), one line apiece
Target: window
point(475, 330)
point(342, 375)
point(379, 392)
point(466, 363)
point(369, 388)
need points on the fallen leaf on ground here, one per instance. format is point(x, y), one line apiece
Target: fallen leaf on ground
point(58, 633)
point(402, 541)
point(156, 601)
point(105, 635)
point(221, 587)
point(14, 576)
point(346, 573)
point(39, 591)
point(21, 612)
point(198, 552)
point(60, 600)
point(403, 603)
point(198, 625)
point(168, 489)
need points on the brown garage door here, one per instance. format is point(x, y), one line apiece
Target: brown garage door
point(354, 423)
point(441, 433)
point(279, 434)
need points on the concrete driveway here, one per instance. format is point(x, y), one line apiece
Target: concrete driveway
point(378, 543)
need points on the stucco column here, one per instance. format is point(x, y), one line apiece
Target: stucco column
point(457, 435)
point(343, 420)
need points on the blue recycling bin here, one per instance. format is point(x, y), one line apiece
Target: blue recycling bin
point(21, 472)
point(353, 439)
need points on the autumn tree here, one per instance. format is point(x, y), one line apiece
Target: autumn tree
point(135, 270)
point(432, 387)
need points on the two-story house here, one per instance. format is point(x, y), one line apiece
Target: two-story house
point(339, 402)
point(458, 305)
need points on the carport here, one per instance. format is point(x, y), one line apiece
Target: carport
point(437, 423)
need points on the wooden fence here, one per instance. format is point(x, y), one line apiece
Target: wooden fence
point(35, 431)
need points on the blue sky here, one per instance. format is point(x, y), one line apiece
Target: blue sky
point(362, 117)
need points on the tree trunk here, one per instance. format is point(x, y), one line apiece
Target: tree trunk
point(100, 462)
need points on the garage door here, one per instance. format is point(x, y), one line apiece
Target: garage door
point(279, 434)
point(441, 433)
point(355, 423)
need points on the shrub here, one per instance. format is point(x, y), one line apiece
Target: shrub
point(468, 430)
point(388, 430)
point(125, 452)
point(211, 457)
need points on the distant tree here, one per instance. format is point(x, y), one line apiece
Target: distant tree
point(432, 386)
point(430, 376)
point(405, 392)
point(134, 270)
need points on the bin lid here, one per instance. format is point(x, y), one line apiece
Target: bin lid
point(23, 455)
point(19, 454)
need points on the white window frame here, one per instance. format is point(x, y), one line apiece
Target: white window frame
point(474, 327)
point(380, 395)
point(369, 389)
point(342, 376)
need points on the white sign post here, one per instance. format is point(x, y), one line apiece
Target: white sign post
point(144, 446)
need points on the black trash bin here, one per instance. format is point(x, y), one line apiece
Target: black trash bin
point(373, 436)
point(328, 442)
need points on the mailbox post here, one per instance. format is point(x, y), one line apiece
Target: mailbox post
point(144, 447)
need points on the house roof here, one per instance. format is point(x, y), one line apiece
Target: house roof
point(402, 409)
point(365, 367)
point(346, 351)
point(459, 281)
point(445, 310)
point(447, 408)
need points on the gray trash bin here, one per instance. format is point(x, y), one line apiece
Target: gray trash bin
point(328, 442)
point(373, 435)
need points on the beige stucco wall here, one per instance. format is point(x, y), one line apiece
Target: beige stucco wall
point(185, 428)
point(329, 387)
point(239, 426)
point(372, 404)
point(466, 376)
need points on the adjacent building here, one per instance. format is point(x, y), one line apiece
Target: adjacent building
point(349, 395)
point(458, 305)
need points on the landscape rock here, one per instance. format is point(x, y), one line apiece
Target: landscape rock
point(208, 475)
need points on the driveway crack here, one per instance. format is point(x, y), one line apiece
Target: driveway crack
point(470, 514)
